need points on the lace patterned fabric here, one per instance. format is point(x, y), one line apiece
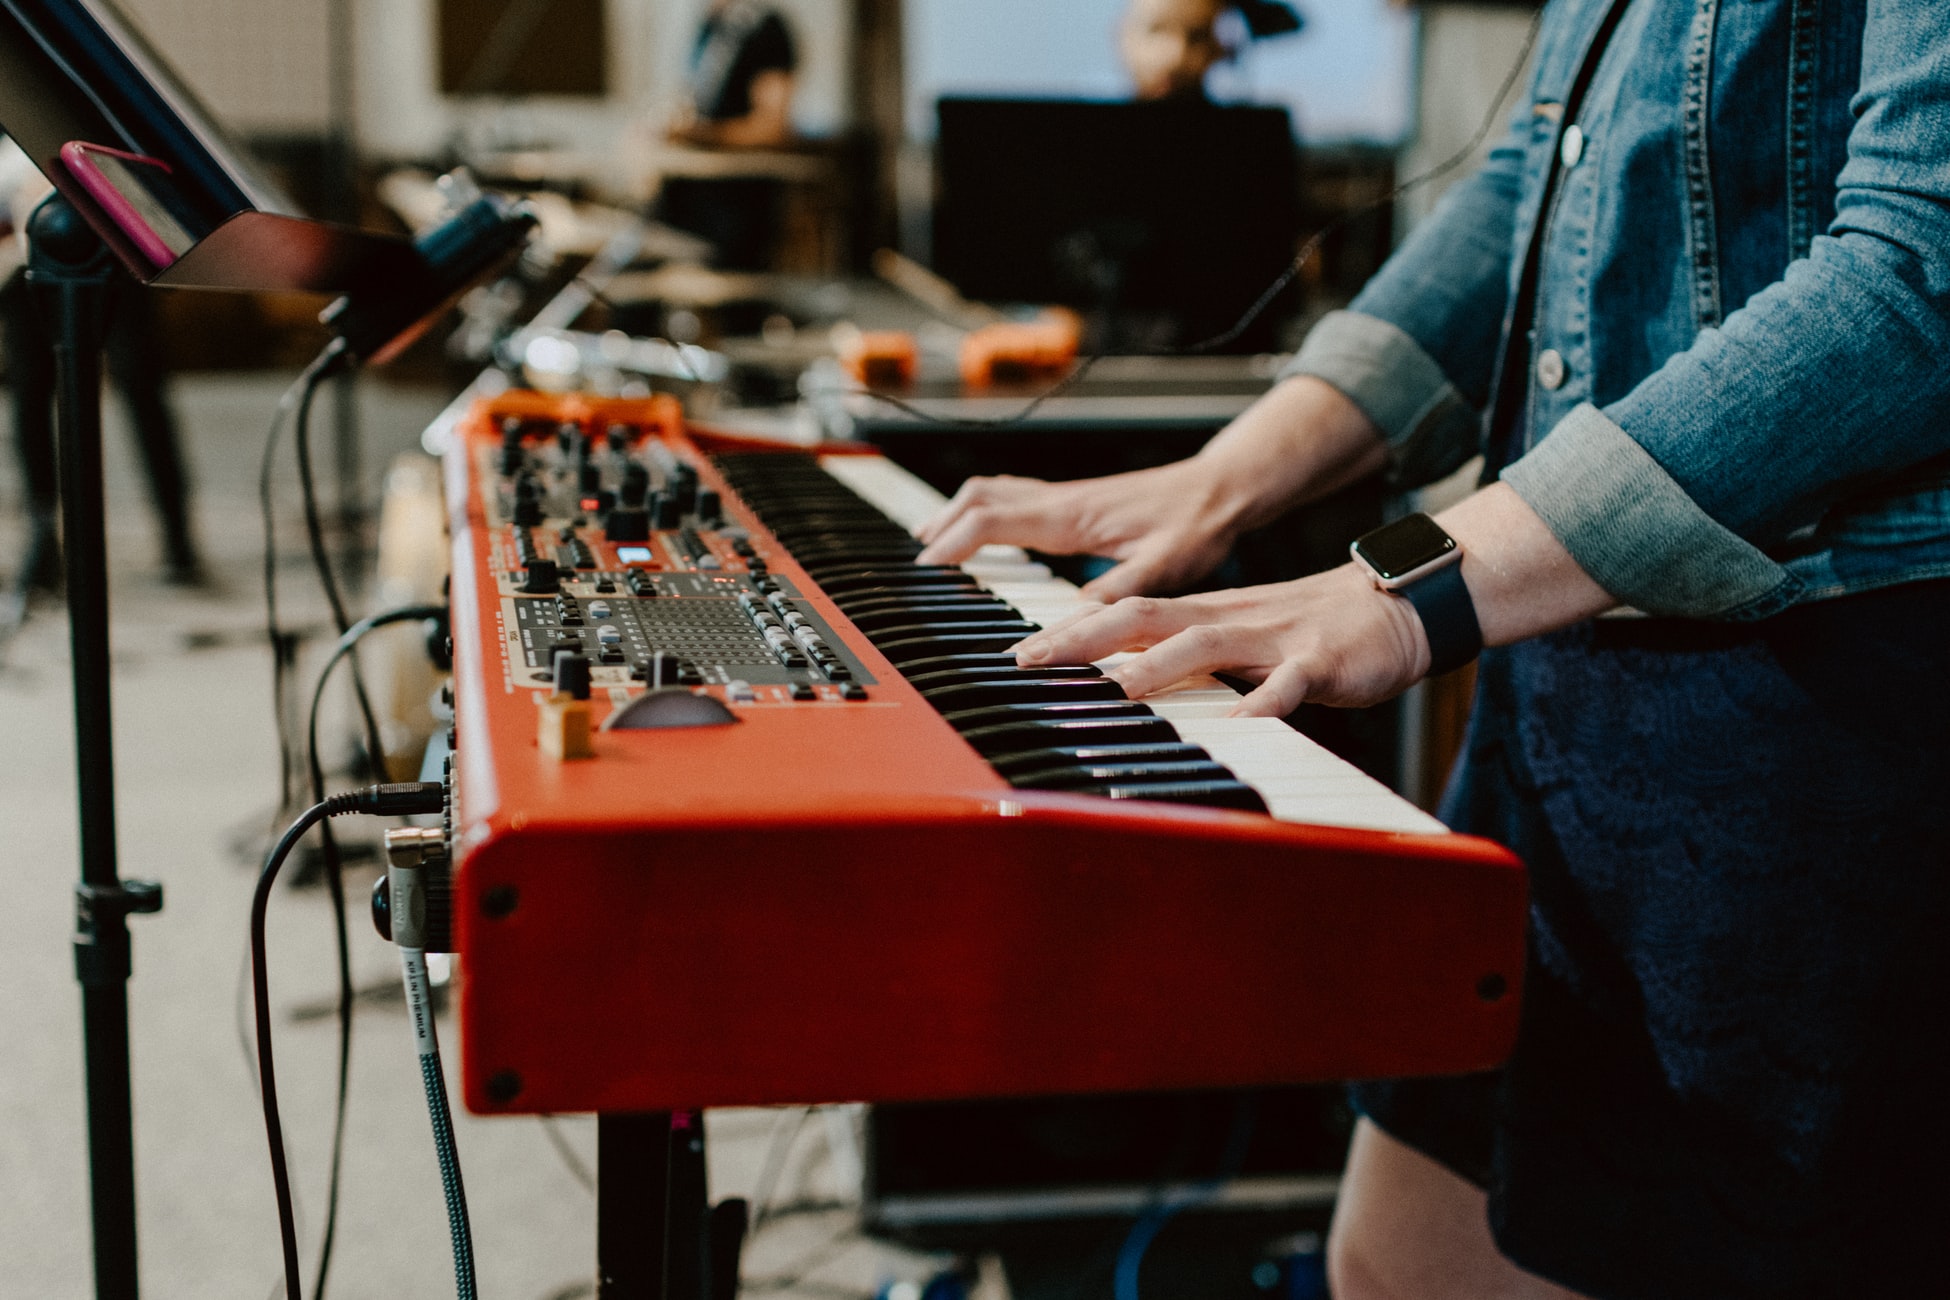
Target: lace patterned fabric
point(1733, 1057)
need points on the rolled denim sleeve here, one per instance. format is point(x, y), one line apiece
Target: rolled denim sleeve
point(1831, 381)
point(1416, 348)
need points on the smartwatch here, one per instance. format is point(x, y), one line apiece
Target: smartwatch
point(1414, 558)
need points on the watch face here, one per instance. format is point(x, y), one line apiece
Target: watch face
point(1404, 546)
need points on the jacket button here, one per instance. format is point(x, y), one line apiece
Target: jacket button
point(1572, 148)
point(1551, 370)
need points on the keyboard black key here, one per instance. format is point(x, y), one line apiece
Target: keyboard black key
point(889, 622)
point(1106, 774)
point(1019, 737)
point(870, 597)
point(908, 650)
point(841, 581)
point(958, 661)
point(1026, 690)
point(1072, 756)
point(1010, 672)
point(1206, 794)
point(998, 714)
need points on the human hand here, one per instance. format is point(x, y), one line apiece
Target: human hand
point(1173, 525)
point(1332, 638)
point(1163, 524)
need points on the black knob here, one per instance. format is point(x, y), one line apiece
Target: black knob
point(528, 511)
point(572, 674)
point(666, 512)
point(589, 478)
point(709, 512)
point(566, 434)
point(636, 485)
point(619, 436)
point(682, 488)
point(512, 454)
point(543, 578)
point(626, 525)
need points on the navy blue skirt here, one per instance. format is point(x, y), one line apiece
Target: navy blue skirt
point(1733, 1073)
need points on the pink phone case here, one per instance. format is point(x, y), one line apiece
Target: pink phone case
point(129, 221)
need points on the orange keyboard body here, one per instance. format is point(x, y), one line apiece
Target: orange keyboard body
point(835, 900)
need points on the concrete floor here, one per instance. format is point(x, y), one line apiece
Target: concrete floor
point(196, 770)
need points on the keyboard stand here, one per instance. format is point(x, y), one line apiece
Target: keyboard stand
point(658, 1237)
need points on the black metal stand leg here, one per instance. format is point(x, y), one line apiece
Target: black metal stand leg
point(658, 1237)
point(69, 269)
point(687, 1241)
point(632, 1204)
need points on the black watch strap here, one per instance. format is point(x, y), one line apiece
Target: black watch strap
point(1448, 616)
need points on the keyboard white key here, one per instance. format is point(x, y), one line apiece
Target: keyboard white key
point(1300, 781)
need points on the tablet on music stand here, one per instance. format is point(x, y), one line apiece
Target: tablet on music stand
point(129, 146)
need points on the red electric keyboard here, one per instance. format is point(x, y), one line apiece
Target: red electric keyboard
point(830, 844)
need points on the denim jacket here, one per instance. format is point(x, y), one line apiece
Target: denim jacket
point(1734, 385)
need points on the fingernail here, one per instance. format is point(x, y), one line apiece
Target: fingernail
point(1032, 652)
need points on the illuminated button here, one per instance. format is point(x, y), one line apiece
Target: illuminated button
point(599, 609)
point(1572, 148)
point(609, 634)
point(1551, 370)
point(740, 692)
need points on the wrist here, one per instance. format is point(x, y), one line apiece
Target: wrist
point(1302, 441)
point(1415, 560)
point(1410, 638)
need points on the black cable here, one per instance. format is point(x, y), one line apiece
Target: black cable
point(777, 1152)
point(816, 1258)
point(335, 887)
point(340, 650)
point(1137, 1243)
point(381, 800)
point(283, 647)
point(571, 1161)
point(333, 358)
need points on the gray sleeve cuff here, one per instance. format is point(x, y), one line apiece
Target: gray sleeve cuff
point(1635, 531)
point(1430, 429)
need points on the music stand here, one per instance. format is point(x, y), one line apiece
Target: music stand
point(144, 176)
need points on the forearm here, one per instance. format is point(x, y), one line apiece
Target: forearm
point(1521, 579)
point(1304, 440)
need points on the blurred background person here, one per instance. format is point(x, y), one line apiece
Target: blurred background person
point(744, 69)
point(134, 364)
point(1168, 46)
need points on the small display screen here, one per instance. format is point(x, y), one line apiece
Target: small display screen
point(633, 555)
point(1404, 546)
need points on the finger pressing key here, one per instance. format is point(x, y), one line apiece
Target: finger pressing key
point(1200, 648)
point(1127, 625)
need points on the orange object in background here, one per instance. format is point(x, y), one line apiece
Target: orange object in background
point(881, 358)
point(1021, 350)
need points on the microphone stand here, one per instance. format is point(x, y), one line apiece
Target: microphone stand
point(69, 269)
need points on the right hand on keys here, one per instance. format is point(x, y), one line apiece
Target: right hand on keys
point(1164, 525)
point(1172, 525)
